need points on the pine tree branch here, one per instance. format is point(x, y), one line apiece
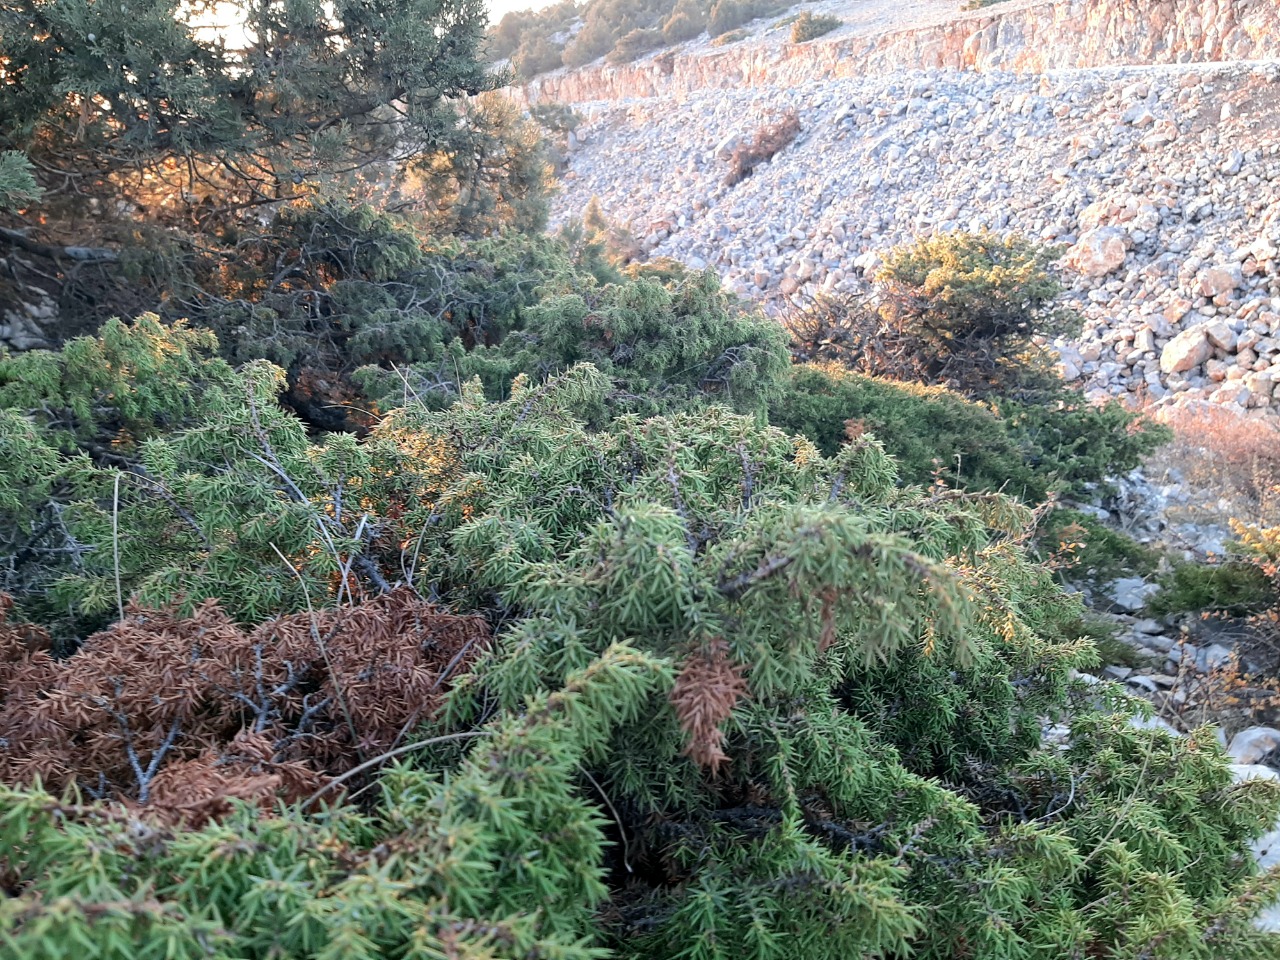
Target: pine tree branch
point(735, 588)
point(390, 755)
point(54, 252)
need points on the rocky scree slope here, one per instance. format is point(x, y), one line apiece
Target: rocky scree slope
point(1162, 181)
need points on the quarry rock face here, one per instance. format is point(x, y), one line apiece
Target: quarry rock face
point(1106, 129)
point(1027, 37)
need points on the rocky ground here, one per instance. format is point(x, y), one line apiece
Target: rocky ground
point(1162, 183)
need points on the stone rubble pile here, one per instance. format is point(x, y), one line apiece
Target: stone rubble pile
point(1161, 183)
point(23, 326)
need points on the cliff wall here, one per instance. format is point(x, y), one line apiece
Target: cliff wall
point(1028, 37)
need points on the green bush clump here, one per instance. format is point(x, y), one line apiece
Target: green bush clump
point(635, 44)
point(1089, 550)
point(517, 27)
point(665, 346)
point(1236, 588)
point(822, 725)
point(375, 291)
point(688, 19)
point(537, 55)
point(968, 310)
point(733, 36)
point(1079, 442)
point(807, 27)
point(1024, 450)
point(728, 15)
point(931, 432)
point(971, 312)
point(557, 118)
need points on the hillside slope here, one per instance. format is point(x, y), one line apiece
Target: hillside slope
point(1163, 177)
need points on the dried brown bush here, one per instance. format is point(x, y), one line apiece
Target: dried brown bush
point(185, 713)
point(831, 328)
point(704, 695)
point(768, 141)
point(1232, 459)
point(1230, 695)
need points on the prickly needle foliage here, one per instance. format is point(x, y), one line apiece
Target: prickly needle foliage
point(877, 661)
point(98, 398)
point(128, 383)
point(501, 858)
point(142, 466)
point(17, 184)
point(669, 346)
point(744, 701)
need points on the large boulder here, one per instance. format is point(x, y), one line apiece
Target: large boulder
point(1098, 252)
point(1187, 350)
point(1254, 744)
point(1216, 282)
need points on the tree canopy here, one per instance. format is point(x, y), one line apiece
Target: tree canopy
point(106, 96)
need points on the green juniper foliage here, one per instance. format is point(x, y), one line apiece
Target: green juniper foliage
point(744, 700)
point(1232, 586)
point(968, 310)
point(807, 27)
point(17, 183)
point(666, 346)
point(761, 654)
point(1023, 449)
point(931, 431)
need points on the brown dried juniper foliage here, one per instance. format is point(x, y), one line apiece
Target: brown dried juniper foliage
point(184, 714)
point(709, 686)
point(769, 140)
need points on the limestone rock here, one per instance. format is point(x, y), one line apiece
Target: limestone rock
point(1220, 335)
point(1215, 282)
point(724, 149)
point(1131, 593)
point(1252, 771)
point(1098, 252)
point(1186, 351)
point(1253, 744)
point(1212, 657)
